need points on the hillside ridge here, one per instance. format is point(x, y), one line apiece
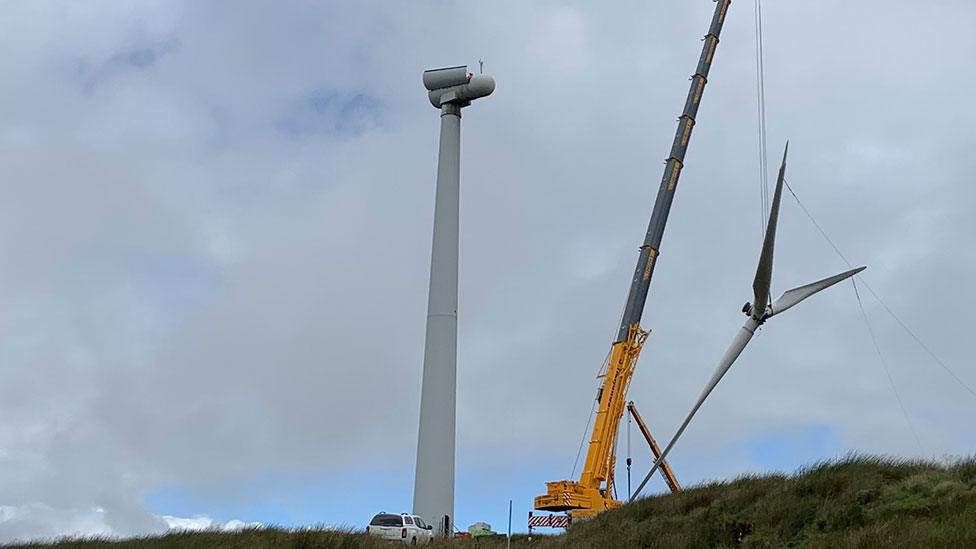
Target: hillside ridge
point(856, 502)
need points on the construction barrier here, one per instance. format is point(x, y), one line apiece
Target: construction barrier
point(548, 521)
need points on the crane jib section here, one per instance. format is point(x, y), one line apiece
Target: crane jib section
point(672, 171)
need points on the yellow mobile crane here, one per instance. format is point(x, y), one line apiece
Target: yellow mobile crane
point(593, 492)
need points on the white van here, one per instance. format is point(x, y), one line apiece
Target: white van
point(409, 529)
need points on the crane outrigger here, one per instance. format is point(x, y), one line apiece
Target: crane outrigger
point(594, 491)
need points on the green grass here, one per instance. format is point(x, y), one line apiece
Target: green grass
point(856, 502)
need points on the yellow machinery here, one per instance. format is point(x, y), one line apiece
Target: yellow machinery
point(593, 492)
point(666, 470)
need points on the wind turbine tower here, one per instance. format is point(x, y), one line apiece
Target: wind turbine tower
point(451, 89)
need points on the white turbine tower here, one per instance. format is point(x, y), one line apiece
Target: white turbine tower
point(450, 89)
point(759, 311)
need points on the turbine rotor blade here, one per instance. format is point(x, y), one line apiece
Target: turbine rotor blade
point(764, 272)
point(735, 349)
point(796, 295)
point(787, 300)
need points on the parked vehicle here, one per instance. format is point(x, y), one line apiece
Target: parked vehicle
point(408, 529)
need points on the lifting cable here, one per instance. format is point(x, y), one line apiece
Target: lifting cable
point(877, 297)
point(583, 439)
point(761, 115)
point(887, 370)
point(589, 419)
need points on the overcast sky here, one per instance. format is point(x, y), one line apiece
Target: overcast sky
point(215, 234)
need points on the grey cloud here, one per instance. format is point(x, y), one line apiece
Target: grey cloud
point(187, 291)
point(92, 73)
point(331, 113)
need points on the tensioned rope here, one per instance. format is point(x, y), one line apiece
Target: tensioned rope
point(887, 370)
point(878, 298)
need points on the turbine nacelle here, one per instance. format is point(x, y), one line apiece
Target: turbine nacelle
point(456, 85)
point(749, 310)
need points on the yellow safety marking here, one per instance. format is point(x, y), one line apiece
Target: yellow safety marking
point(650, 263)
point(674, 177)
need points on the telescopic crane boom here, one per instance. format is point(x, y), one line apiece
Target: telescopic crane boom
point(593, 492)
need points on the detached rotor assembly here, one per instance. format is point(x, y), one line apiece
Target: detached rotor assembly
point(759, 311)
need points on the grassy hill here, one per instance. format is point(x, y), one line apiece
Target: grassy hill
point(855, 502)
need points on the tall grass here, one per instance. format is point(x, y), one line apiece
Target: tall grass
point(855, 502)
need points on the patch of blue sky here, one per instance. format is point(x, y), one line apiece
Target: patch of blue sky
point(332, 113)
point(786, 450)
point(782, 450)
point(484, 493)
point(351, 496)
point(341, 497)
